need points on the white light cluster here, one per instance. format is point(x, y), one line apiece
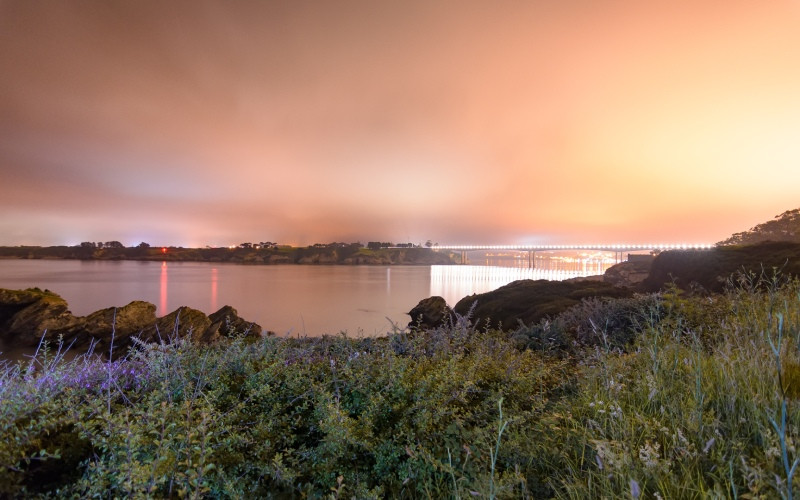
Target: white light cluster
point(609, 247)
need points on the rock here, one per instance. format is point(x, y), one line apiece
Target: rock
point(182, 322)
point(630, 273)
point(122, 322)
point(320, 258)
point(530, 301)
point(578, 279)
point(430, 313)
point(27, 315)
point(227, 320)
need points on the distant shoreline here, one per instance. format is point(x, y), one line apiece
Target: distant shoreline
point(336, 254)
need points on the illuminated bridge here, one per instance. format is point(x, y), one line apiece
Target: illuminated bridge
point(619, 249)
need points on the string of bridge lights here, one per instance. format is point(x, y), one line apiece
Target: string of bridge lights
point(610, 247)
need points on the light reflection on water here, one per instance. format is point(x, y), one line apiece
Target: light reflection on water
point(455, 282)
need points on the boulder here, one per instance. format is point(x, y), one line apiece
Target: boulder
point(227, 320)
point(182, 322)
point(531, 300)
point(27, 315)
point(119, 322)
point(430, 313)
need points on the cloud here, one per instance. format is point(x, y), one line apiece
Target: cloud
point(207, 121)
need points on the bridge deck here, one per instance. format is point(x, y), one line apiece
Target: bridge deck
point(611, 247)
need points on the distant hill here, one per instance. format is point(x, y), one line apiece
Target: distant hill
point(785, 227)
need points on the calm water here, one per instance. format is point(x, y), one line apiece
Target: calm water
point(287, 299)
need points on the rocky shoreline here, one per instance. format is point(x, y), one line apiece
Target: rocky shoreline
point(27, 317)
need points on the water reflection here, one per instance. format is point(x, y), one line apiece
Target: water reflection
point(163, 302)
point(456, 282)
point(214, 306)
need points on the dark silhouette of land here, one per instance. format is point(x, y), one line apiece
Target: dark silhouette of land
point(333, 253)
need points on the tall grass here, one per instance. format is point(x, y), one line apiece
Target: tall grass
point(666, 395)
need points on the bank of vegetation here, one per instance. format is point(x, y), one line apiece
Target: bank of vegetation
point(246, 253)
point(668, 394)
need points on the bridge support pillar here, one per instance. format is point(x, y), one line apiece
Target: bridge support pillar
point(463, 256)
point(531, 259)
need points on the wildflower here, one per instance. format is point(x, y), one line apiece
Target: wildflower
point(635, 491)
point(649, 454)
point(708, 445)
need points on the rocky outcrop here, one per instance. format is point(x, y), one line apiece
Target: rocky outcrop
point(430, 313)
point(530, 301)
point(278, 259)
point(710, 270)
point(182, 322)
point(226, 321)
point(124, 321)
point(28, 315)
point(630, 273)
point(319, 258)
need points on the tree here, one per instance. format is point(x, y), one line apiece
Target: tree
point(143, 245)
point(375, 245)
point(113, 244)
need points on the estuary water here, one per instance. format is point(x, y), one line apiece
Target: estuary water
point(286, 299)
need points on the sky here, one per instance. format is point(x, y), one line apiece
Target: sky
point(194, 123)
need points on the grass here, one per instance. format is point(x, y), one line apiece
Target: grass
point(665, 395)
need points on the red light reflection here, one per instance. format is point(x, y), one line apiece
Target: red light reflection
point(163, 303)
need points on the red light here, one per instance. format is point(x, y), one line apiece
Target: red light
point(164, 250)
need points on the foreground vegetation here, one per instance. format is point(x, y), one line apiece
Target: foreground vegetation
point(662, 395)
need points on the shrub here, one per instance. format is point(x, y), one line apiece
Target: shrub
point(672, 397)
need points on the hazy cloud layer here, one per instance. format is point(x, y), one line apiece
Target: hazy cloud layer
point(201, 122)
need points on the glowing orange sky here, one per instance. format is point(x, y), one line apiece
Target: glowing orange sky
point(194, 123)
